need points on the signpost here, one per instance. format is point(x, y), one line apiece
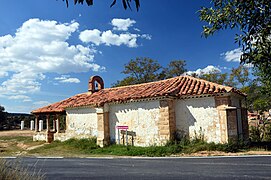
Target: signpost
point(122, 128)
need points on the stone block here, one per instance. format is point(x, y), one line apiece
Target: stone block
point(162, 123)
point(164, 132)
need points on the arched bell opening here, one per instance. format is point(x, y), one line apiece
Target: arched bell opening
point(95, 84)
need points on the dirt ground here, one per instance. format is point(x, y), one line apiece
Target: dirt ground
point(17, 133)
point(219, 153)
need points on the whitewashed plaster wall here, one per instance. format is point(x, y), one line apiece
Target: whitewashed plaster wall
point(198, 116)
point(81, 121)
point(140, 117)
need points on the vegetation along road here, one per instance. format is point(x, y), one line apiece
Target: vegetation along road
point(257, 167)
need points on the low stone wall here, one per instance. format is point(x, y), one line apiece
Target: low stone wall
point(39, 136)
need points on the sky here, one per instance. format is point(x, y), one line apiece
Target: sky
point(49, 51)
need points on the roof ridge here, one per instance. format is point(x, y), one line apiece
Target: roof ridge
point(135, 85)
point(209, 82)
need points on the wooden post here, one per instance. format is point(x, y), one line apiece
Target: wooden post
point(48, 123)
point(36, 123)
point(123, 141)
point(126, 137)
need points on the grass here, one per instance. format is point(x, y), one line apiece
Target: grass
point(88, 147)
point(14, 145)
point(13, 170)
point(18, 146)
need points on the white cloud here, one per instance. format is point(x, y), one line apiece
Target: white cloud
point(41, 103)
point(233, 55)
point(146, 36)
point(35, 105)
point(113, 39)
point(249, 65)
point(3, 74)
point(93, 36)
point(207, 70)
point(39, 47)
point(67, 79)
point(20, 97)
point(122, 24)
point(136, 29)
point(110, 38)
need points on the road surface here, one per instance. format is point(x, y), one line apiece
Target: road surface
point(256, 167)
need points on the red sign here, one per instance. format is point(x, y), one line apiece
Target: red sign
point(122, 127)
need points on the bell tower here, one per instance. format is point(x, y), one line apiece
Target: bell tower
point(95, 84)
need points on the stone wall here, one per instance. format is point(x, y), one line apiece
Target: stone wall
point(39, 136)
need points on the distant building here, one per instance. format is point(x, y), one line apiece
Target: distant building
point(156, 112)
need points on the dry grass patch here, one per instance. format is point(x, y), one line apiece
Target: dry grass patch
point(16, 145)
point(13, 170)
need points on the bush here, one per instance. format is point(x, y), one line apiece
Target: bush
point(255, 134)
point(82, 144)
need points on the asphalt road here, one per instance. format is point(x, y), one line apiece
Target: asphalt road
point(152, 168)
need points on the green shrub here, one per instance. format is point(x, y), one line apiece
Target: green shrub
point(82, 144)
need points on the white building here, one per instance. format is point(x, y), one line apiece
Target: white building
point(156, 112)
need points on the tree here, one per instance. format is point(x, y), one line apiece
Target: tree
point(261, 105)
point(215, 76)
point(140, 70)
point(125, 3)
point(239, 77)
point(253, 20)
point(3, 115)
point(175, 68)
point(125, 82)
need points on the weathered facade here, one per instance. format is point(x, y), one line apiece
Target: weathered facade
point(155, 112)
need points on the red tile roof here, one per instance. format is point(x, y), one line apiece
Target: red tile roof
point(178, 87)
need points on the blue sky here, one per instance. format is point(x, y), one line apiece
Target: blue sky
point(48, 51)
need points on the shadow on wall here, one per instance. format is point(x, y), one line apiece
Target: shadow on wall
point(191, 115)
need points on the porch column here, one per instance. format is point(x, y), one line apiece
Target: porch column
point(103, 138)
point(36, 123)
point(47, 123)
point(57, 123)
point(54, 123)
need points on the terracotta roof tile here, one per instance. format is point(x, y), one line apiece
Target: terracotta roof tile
point(178, 86)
